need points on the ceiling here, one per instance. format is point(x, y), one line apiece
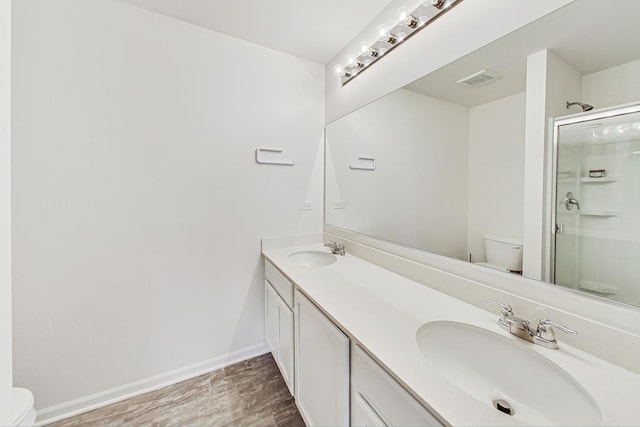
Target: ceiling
point(313, 30)
point(590, 35)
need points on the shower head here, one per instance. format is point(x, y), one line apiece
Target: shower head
point(585, 107)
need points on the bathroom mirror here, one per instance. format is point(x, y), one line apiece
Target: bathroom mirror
point(439, 164)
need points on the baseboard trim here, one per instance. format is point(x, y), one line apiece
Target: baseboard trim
point(98, 400)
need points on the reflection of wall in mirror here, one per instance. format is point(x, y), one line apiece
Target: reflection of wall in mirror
point(417, 195)
point(613, 86)
point(496, 179)
point(551, 81)
point(467, 163)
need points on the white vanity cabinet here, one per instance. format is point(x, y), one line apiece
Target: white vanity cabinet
point(378, 400)
point(322, 367)
point(336, 382)
point(278, 297)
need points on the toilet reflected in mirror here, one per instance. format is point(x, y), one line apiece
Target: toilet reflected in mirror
point(503, 253)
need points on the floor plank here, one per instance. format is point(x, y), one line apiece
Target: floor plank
point(249, 393)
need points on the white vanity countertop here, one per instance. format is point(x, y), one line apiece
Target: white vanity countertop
point(383, 311)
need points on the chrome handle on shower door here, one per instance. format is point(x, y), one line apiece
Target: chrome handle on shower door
point(570, 201)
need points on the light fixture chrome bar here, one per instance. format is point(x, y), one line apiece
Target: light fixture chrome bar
point(414, 21)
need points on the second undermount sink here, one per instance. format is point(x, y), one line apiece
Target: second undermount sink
point(506, 375)
point(313, 258)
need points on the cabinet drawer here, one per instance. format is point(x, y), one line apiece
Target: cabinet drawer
point(281, 284)
point(388, 399)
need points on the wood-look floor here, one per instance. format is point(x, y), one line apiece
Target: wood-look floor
point(249, 393)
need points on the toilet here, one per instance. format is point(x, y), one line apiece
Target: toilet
point(22, 410)
point(503, 253)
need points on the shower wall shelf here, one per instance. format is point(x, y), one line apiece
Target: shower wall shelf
point(588, 180)
point(604, 180)
point(600, 212)
point(598, 287)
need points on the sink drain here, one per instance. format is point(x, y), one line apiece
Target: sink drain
point(503, 406)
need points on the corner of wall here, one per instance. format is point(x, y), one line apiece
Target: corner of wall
point(6, 378)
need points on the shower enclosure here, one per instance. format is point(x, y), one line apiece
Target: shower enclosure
point(596, 214)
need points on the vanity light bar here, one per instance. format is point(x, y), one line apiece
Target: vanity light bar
point(406, 25)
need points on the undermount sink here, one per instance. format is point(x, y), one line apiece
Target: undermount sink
point(506, 375)
point(313, 258)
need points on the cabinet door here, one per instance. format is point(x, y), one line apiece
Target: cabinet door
point(363, 415)
point(271, 320)
point(285, 347)
point(387, 399)
point(322, 367)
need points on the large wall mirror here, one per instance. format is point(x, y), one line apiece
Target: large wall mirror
point(439, 164)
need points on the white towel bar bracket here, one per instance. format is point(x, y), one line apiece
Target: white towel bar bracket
point(261, 160)
point(369, 164)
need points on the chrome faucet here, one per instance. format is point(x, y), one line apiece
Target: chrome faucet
point(543, 334)
point(336, 248)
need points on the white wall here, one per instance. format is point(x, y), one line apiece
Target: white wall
point(550, 83)
point(138, 206)
point(496, 179)
point(5, 210)
point(456, 34)
point(417, 195)
point(613, 86)
point(564, 83)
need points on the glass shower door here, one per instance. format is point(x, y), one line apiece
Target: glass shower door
point(597, 204)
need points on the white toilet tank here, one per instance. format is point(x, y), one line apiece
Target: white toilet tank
point(503, 251)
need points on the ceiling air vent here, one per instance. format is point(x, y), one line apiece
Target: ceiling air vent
point(480, 78)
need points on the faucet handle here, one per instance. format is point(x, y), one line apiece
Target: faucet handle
point(548, 324)
point(331, 244)
point(507, 319)
point(506, 308)
point(545, 335)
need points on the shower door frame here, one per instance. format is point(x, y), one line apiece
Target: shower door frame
point(602, 113)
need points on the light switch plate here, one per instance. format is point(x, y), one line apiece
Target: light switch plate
point(306, 205)
point(338, 204)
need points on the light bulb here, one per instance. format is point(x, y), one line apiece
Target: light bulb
point(386, 36)
point(402, 13)
point(338, 70)
point(353, 62)
point(364, 48)
point(382, 31)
